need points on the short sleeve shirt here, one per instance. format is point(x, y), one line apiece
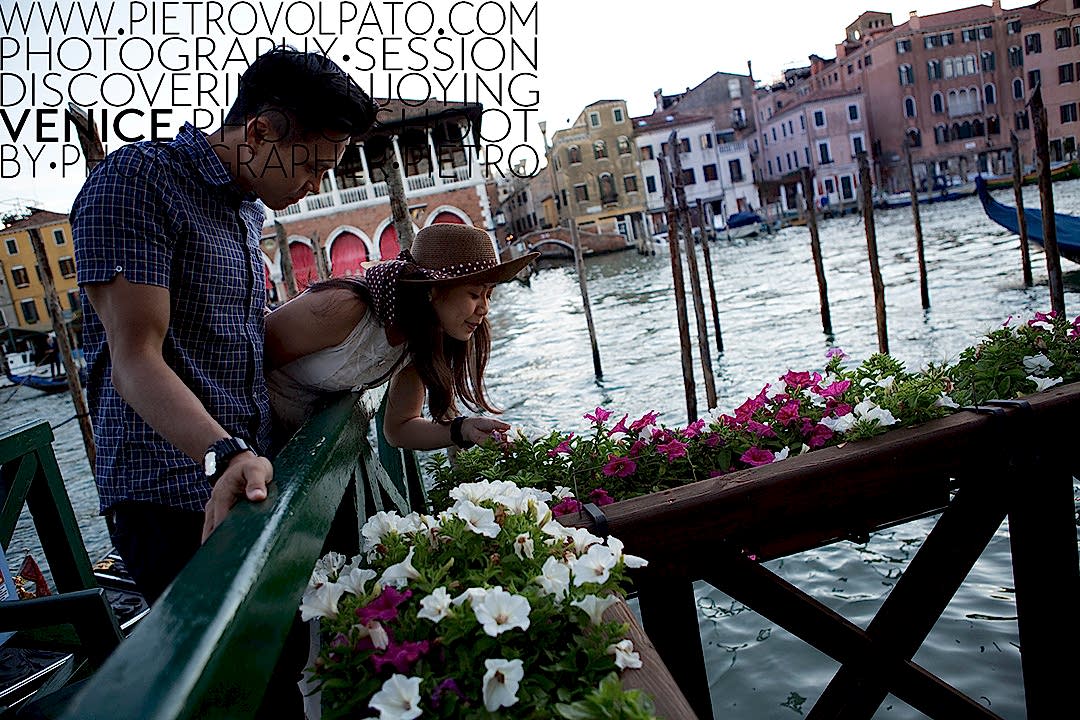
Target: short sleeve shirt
point(170, 215)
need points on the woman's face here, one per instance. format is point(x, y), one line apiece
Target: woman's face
point(461, 308)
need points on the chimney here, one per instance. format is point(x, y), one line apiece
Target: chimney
point(658, 95)
point(997, 8)
point(913, 20)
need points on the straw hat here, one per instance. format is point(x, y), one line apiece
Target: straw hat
point(452, 252)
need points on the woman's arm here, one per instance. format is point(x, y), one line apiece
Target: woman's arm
point(310, 322)
point(405, 426)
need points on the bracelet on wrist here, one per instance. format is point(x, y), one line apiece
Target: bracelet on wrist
point(455, 433)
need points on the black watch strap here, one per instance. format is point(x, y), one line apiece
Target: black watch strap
point(219, 454)
point(455, 433)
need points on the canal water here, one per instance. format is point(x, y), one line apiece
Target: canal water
point(542, 374)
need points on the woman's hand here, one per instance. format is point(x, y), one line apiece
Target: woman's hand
point(479, 429)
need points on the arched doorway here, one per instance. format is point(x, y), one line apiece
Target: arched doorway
point(303, 262)
point(346, 254)
point(388, 243)
point(448, 217)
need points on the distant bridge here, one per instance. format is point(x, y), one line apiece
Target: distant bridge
point(553, 241)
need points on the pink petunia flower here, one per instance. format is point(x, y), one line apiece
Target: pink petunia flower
point(756, 457)
point(694, 429)
point(600, 497)
point(673, 449)
point(598, 416)
point(636, 448)
point(819, 435)
point(835, 353)
point(796, 380)
point(619, 466)
point(712, 440)
point(562, 448)
point(836, 389)
point(760, 429)
point(644, 421)
point(567, 506)
point(401, 656)
point(620, 427)
point(383, 607)
point(788, 413)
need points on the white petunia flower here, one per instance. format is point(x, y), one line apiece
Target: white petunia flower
point(356, 580)
point(583, 539)
point(480, 520)
point(501, 682)
point(1037, 364)
point(781, 454)
point(594, 566)
point(472, 595)
point(594, 606)
point(326, 567)
point(561, 493)
point(435, 606)
point(839, 424)
point(499, 611)
point(625, 657)
point(523, 546)
point(321, 601)
point(379, 526)
point(886, 383)
point(555, 579)
point(379, 637)
point(945, 401)
point(869, 410)
point(399, 698)
point(630, 561)
point(400, 573)
point(1044, 383)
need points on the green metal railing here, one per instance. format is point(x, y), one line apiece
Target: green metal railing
point(209, 645)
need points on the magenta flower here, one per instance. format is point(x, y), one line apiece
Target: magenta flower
point(838, 409)
point(716, 473)
point(746, 411)
point(1042, 317)
point(383, 607)
point(760, 429)
point(643, 422)
point(694, 429)
point(562, 448)
point(662, 436)
point(796, 380)
point(712, 440)
point(620, 427)
point(819, 435)
point(835, 353)
point(836, 389)
point(619, 466)
point(788, 413)
point(636, 448)
point(600, 497)
point(402, 656)
point(756, 457)
point(672, 450)
point(566, 506)
point(598, 416)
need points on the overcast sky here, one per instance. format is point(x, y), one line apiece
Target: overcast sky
point(587, 50)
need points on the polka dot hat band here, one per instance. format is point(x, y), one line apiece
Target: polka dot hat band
point(442, 253)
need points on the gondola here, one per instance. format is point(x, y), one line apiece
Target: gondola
point(1068, 226)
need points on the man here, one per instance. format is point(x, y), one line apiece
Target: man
point(167, 249)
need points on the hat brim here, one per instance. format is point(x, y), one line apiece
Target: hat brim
point(503, 272)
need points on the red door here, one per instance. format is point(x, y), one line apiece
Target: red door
point(388, 243)
point(448, 217)
point(346, 254)
point(303, 263)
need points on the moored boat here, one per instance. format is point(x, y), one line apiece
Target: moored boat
point(1058, 171)
point(1068, 226)
point(941, 192)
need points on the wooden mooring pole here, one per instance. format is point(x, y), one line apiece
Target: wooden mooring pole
point(63, 346)
point(866, 187)
point(322, 267)
point(680, 293)
point(579, 264)
point(1046, 200)
point(685, 229)
point(924, 288)
point(707, 232)
point(807, 179)
point(1021, 218)
point(399, 207)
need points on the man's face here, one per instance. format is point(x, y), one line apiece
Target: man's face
point(282, 171)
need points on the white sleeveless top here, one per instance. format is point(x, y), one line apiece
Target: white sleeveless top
point(361, 361)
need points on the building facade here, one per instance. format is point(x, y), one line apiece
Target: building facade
point(597, 172)
point(713, 171)
point(22, 277)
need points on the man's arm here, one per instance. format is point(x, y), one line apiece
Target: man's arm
point(136, 318)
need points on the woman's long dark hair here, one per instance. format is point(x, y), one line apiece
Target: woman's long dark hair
point(450, 369)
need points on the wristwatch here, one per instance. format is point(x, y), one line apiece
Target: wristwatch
point(219, 454)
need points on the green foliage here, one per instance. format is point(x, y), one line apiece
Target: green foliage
point(609, 702)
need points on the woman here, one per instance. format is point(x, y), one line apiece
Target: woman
point(418, 321)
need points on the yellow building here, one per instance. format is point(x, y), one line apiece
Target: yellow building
point(22, 297)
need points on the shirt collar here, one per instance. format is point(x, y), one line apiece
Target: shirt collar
point(194, 144)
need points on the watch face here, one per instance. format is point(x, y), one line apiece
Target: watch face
point(210, 463)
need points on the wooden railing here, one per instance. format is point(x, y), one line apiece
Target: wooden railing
point(209, 646)
point(210, 643)
point(972, 469)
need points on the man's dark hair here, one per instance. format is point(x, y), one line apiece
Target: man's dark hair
point(310, 90)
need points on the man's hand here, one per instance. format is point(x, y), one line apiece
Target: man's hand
point(247, 476)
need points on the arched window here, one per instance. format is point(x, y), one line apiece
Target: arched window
point(969, 65)
point(624, 145)
point(907, 75)
point(909, 107)
point(573, 154)
point(1018, 89)
point(599, 149)
point(989, 94)
point(993, 125)
point(915, 137)
point(941, 134)
point(937, 100)
point(608, 193)
point(976, 128)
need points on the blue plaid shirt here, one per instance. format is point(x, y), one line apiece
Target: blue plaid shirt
point(169, 215)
